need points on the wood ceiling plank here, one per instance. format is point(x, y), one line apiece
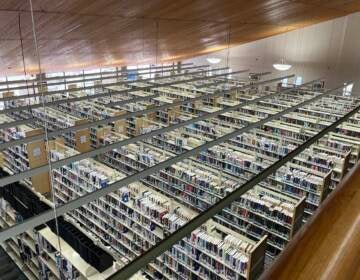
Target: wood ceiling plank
point(85, 33)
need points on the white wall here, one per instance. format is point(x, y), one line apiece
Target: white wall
point(330, 50)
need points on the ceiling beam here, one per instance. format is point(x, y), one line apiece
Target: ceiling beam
point(225, 81)
point(165, 244)
point(44, 168)
point(46, 93)
point(122, 102)
point(93, 96)
point(127, 115)
point(24, 81)
point(76, 203)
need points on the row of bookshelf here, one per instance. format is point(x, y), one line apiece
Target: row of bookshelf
point(136, 217)
point(132, 219)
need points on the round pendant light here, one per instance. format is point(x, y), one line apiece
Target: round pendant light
point(282, 66)
point(213, 60)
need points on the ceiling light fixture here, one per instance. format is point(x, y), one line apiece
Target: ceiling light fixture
point(282, 66)
point(213, 60)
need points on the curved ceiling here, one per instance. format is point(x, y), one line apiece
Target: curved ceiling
point(78, 34)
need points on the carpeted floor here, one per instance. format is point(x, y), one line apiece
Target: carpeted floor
point(8, 269)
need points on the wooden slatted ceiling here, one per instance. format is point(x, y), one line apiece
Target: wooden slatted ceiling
point(86, 33)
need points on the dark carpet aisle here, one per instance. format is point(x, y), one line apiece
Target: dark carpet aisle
point(8, 269)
